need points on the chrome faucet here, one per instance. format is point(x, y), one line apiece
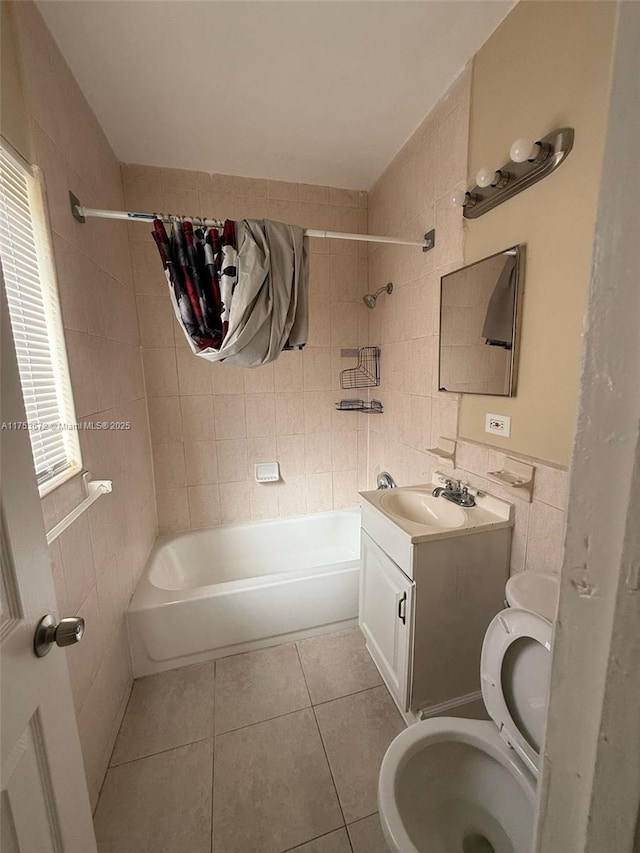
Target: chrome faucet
point(385, 481)
point(457, 493)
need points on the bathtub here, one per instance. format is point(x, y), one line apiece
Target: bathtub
point(210, 593)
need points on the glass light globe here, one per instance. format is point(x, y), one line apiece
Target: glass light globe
point(458, 197)
point(485, 177)
point(523, 149)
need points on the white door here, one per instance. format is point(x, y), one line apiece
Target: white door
point(386, 618)
point(44, 803)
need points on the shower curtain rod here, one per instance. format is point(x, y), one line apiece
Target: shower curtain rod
point(81, 213)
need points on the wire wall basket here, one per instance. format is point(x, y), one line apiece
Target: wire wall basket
point(372, 408)
point(366, 374)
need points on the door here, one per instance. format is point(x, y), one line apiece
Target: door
point(386, 618)
point(44, 803)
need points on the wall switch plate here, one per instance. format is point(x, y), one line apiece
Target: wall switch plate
point(498, 425)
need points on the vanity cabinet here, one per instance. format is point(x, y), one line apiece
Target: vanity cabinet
point(386, 616)
point(425, 607)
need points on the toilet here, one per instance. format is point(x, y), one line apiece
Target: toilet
point(452, 785)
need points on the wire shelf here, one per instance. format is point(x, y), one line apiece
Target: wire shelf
point(372, 408)
point(366, 374)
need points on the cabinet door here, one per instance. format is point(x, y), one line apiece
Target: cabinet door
point(386, 617)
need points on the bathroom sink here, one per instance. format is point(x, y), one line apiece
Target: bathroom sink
point(420, 507)
point(534, 591)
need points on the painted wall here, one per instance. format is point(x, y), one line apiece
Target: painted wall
point(98, 560)
point(211, 422)
point(546, 66)
point(410, 197)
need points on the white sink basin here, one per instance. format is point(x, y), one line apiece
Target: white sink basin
point(534, 591)
point(420, 507)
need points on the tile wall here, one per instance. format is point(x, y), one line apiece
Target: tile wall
point(98, 560)
point(409, 198)
point(211, 422)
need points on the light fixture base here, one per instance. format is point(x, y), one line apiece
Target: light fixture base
point(554, 149)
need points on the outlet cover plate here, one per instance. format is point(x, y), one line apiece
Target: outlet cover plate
point(498, 425)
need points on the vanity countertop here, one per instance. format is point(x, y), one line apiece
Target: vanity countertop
point(405, 504)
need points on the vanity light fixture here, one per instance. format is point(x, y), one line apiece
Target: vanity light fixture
point(524, 149)
point(531, 161)
point(487, 177)
point(461, 198)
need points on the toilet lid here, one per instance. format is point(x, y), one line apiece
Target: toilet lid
point(514, 670)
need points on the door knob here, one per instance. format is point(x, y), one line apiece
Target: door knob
point(66, 632)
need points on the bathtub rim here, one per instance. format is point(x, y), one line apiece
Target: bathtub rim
point(147, 595)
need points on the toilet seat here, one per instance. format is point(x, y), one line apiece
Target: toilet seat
point(514, 672)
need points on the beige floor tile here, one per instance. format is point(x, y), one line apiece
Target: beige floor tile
point(162, 802)
point(336, 665)
point(166, 710)
point(272, 787)
point(335, 842)
point(366, 836)
point(356, 731)
point(258, 686)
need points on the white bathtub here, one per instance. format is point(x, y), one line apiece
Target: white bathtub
point(210, 593)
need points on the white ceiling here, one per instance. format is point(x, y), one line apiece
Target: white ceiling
point(321, 92)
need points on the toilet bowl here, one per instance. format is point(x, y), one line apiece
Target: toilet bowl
point(450, 785)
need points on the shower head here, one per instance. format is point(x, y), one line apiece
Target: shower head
point(369, 299)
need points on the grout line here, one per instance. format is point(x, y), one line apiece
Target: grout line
point(316, 838)
point(324, 749)
point(161, 751)
point(347, 695)
point(267, 720)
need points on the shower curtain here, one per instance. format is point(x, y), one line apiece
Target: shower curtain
point(240, 296)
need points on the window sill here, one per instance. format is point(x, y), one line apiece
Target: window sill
point(59, 480)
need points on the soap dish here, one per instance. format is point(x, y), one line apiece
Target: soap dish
point(267, 472)
point(516, 474)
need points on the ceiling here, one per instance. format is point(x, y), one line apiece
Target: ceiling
point(321, 92)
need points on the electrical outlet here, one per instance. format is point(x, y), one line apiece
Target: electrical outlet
point(498, 425)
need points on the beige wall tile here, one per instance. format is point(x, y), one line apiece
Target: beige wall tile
point(165, 420)
point(160, 372)
point(204, 506)
point(288, 372)
point(316, 363)
point(235, 506)
point(319, 492)
point(261, 414)
point(318, 457)
point(201, 462)
point(169, 465)
point(232, 460)
point(194, 374)
point(173, 510)
point(230, 416)
point(289, 413)
point(197, 417)
point(545, 540)
point(291, 455)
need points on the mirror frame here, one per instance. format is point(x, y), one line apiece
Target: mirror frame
point(519, 250)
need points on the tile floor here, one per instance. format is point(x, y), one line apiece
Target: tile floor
point(265, 752)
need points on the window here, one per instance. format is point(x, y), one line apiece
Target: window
point(36, 322)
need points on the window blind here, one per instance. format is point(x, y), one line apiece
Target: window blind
point(36, 323)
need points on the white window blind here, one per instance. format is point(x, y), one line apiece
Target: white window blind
point(36, 322)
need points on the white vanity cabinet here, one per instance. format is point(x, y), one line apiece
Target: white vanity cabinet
point(425, 604)
point(386, 617)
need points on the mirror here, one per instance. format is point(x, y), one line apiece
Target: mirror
point(479, 313)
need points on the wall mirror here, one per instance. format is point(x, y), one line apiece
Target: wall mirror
point(479, 314)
